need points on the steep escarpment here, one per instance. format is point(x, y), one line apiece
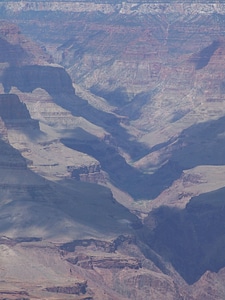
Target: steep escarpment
point(11, 53)
point(124, 176)
point(120, 266)
point(16, 49)
point(10, 157)
point(34, 206)
point(144, 65)
point(14, 113)
point(151, 127)
point(23, 132)
point(27, 78)
point(12, 108)
point(191, 239)
point(73, 281)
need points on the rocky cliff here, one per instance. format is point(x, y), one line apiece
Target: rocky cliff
point(146, 118)
point(190, 238)
point(27, 78)
point(90, 173)
point(14, 113)
point(16, 49)
point(76, 289)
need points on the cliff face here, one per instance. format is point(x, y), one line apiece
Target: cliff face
point(191, 239)
point(14, 113)
point(23, 185)
point(128, 275)
point(11, 158)
point(12, 108)
point(154, 68)
point(27, 78)
point(90, 173)
point(16, 49)
point(151, 126)
point(11, 53)
point(77, 289)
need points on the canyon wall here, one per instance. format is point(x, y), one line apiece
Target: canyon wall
point(146, 119)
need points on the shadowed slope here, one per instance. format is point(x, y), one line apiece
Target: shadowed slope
point(124, 176)
point(54, 80)
point(191, 239)
point(33, 206)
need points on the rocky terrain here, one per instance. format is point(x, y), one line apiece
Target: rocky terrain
point(112, 150)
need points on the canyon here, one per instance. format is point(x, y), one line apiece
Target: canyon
point(112, 150)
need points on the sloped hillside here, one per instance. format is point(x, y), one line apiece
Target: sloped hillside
point(127, 96)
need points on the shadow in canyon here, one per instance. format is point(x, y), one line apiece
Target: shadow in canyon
point(130, 108)
point(13, 54)
point(192, 239)
point(29, 201)
point(57, 82)
point(124, 176)
point(202, 58)
point(201, 144)
point(110, 122)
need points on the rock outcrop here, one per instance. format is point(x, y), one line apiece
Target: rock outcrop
point(153, 119)
point(91, 262)
point(54, 80)
point(191, 239)
point(14, 113)
point(11, 158)
point(90, 173)
point(77, 289)
point(16, 49)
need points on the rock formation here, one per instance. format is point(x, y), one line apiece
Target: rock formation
point(129, 95)
point(77, 289)
point(14, 113)
point(27, 78)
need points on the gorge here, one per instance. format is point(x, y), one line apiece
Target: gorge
point(112, 150)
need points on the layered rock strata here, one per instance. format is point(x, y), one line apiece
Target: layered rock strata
point(125, 7)
point(162, 75)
